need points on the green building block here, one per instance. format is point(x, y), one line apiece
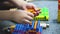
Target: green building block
point(44, 15)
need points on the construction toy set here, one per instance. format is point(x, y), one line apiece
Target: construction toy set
point(35, 28)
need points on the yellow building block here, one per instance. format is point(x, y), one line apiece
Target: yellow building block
point(35, 24)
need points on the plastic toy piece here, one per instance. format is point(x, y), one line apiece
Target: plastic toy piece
point(35, 28)
point(26, 28)
point(47, 25)
point(19, 29)
point(35, 12)
point(38, 29)
point(32, 26)
point(35, 25)
point(44, 15)
point(44, 25)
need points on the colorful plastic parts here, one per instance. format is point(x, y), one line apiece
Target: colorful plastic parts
point(28, 29)
point(35, 12)
point(44, 15)
point(19, 29)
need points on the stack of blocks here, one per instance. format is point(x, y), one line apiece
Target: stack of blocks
point(35, 28)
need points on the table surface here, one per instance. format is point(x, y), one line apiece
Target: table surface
point(54, 27)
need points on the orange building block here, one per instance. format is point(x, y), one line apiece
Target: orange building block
point(35, 24)
point(35, 12)
point(32, 11)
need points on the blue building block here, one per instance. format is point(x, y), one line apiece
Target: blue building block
point(22, 28)
point(19, 29)
point(38, 25)
point(32, 26)
point(39, 28)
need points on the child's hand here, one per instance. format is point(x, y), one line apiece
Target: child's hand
point(29, 5)
point(21, 16)
point(23, 4)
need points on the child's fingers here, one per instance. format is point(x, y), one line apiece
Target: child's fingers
point(28, 18)
point(30, 14)
point(26, 21)
point(34, 7)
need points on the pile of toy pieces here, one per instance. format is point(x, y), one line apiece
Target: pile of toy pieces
point(35, 28)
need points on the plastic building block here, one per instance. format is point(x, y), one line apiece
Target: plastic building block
point(35, 12)
point(35, 28)
point(32, 26)
point(35, 24)
point(19, 29)
point(38, 29)
point(44, 15)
